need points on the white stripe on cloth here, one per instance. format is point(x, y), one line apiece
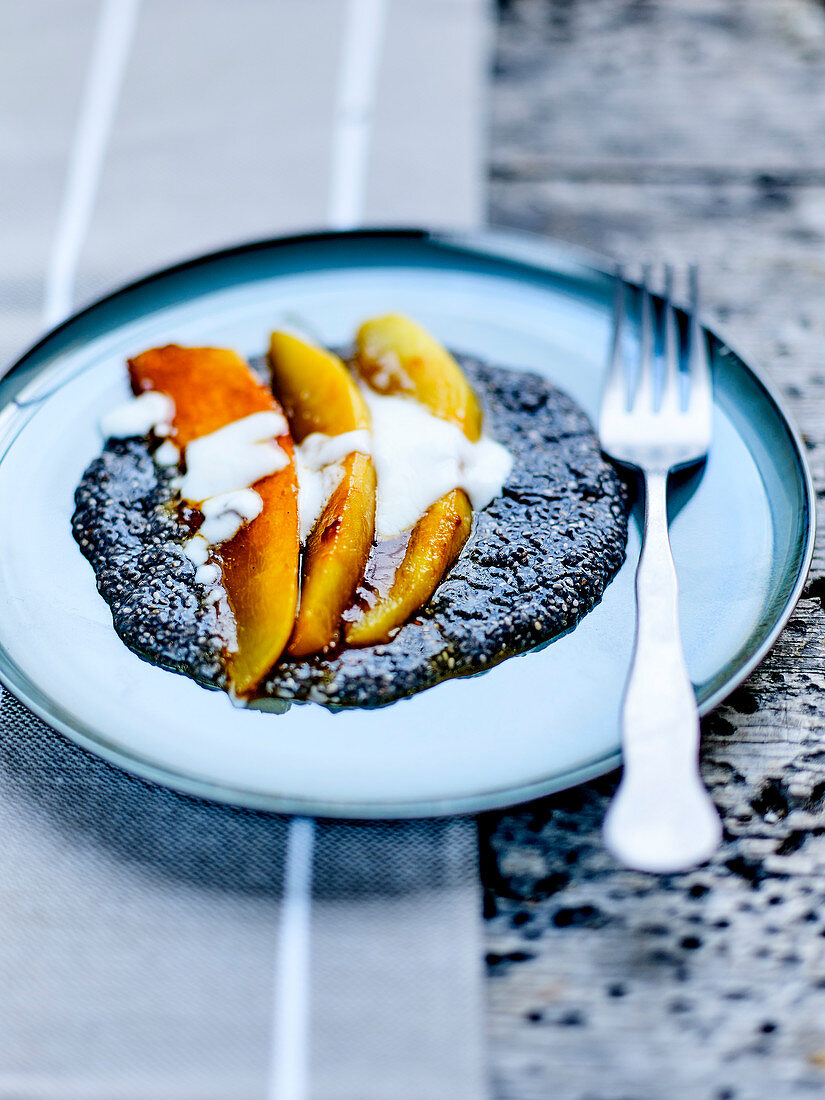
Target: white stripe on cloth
point(289, 1065)
point(358, 69)
point(357, 78)
point(113, 39)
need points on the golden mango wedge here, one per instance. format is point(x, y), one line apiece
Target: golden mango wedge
point(435, 543)
point(319, 395)
point(315, 388)
point(212, 387)
point(395, 355)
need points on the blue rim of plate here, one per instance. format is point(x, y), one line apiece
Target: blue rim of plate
point(519, 249)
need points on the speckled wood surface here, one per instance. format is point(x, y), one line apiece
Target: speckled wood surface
point(683, 131)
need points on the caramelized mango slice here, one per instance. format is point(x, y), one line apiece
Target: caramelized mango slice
point(319, 395)
point(396, 355)
point(315, 388)
point(335, 556)
point(435, 543)
point(212, 387)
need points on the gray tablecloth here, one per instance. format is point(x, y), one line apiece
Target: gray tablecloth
point(153, 945)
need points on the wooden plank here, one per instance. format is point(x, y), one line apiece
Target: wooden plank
point(684, 130)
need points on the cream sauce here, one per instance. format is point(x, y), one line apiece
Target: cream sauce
point(226, 513)
point(221, 469)
point(149, 411)
point(208, 574)
point(167, 454)
point(419, 457)
point(319, 470)
point(234, 457)
point(197, 550)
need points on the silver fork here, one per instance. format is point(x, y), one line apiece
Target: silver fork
point(662, 818)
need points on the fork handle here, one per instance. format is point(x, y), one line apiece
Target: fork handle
point(662, 818)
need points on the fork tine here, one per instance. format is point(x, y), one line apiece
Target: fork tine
point(700, 394)
point(644, 386)
point(670, 384)
point(614, 391)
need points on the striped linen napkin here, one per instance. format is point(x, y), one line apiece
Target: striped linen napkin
point(154, 945)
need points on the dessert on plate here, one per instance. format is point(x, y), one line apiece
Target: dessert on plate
point(345, 527)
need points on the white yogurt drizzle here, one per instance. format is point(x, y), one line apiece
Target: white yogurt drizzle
point(221, 469)
point(151, 411)
point(419, 457)
point(234, 457)
point(167, 454)
point(223, 517)
point(319, 471)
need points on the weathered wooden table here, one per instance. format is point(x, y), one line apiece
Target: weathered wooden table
point(683, 130)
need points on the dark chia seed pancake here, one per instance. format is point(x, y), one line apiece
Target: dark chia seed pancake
point(538, 559)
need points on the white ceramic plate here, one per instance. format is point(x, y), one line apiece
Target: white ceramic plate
point(533, 724)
